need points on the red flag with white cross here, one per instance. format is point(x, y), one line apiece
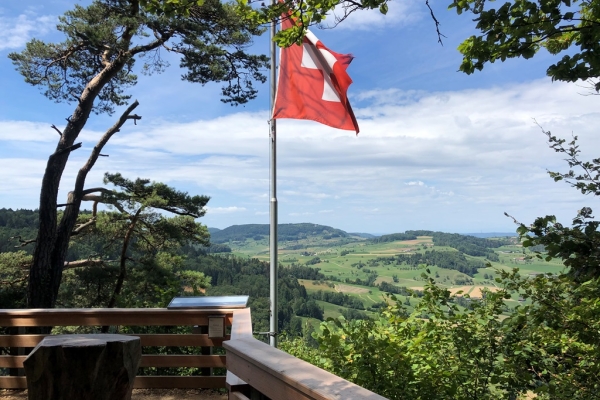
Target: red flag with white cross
point(313, 83)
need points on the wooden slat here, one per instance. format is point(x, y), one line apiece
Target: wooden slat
point(141, 382)
point(13, 382)
point(196, 340)
point(180, 360)
point(237, 396)
point(110, 316)
point(180, 382)
point(20, 340)
point(12, 361)
point(279, 375)
point(148, 360)
point(147, 339)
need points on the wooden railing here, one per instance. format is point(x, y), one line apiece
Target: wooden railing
point(254, 366)
point(130, 318)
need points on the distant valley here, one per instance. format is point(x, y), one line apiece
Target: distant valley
point(365, 267)
point(327, 272)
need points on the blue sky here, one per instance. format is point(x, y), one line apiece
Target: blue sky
point(437, 150)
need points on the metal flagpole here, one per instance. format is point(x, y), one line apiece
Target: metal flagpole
point(273, 204)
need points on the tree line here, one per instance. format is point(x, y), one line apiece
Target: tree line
point(285, 232)
point(154, 274)
point(443, 259)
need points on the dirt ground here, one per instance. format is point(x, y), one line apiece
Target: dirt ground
point(141, 394)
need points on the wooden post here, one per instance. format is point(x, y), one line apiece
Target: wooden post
point(16, 351)
point(83, 367)
point(203, 330)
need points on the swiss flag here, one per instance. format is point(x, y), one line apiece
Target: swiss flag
point(313, 83)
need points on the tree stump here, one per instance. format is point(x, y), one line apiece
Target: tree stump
point(83, 367)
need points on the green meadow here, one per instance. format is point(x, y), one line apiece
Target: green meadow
point(349, 259)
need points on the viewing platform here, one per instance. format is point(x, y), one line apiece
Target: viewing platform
point(193, 349)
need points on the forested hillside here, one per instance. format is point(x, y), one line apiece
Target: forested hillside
point(285, 232)
point(470, 245)
point(14, 224)
point(155, 274)
point(393, 237)
point(387, 292)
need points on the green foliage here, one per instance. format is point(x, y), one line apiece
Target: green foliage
point(231, 275)
point(304, 272)
point(587, 181)
point(301, 347)
point(284, 232)
point(558, 335)
point(18, 218)
point(367, 353)
point(471, 245)
point(144, 242)
point(313, 261)
point(520, 28)
point(157, 195)
point(95, 65)
point(443, 259)
point(16, 228)
point(393, 237)
point(577, 246)
point(304, 13)
point(13, 278)
point(338, 298)
point(445, 351)
point(104, 40)
point(393, 289)
point(129, 257)
point(170, 7)
point(216, 248)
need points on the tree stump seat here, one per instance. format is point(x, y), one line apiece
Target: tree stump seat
point(83, 367)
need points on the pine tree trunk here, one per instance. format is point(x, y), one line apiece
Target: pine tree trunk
point(52, 242)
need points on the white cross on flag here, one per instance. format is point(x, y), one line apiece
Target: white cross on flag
point(313, 83)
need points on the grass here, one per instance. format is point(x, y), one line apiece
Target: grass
point(359, 258)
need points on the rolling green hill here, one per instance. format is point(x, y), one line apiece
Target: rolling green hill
point(286, 232)
point(355, 269)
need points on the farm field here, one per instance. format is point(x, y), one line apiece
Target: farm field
point(356, 266)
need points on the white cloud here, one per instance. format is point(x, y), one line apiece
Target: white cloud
point(298, 214)
point(16, 31)
point(400, 13)
point(422, 160)
point(20, 179)
point(224, 210)
point(24, 131)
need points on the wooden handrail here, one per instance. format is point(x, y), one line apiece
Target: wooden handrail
point(147, 339)
point(148, 360)
point(278, 375)
point(250, 363)
point(240, 329)
point(109, 316)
